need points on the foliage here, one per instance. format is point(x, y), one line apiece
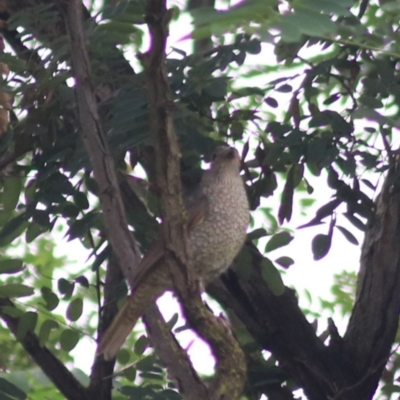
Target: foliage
point(330, 111)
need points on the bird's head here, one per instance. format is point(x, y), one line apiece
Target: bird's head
point(225, 158)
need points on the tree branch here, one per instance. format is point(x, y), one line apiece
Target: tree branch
point(166, 346)
point(373, 324)
point(96, 145)
point(175, 359)
point(231, 365)
point(55, 370)
point(100, 384)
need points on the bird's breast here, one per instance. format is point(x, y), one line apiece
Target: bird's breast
point(216, 241)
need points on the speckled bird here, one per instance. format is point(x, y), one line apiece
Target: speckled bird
point(218, 216)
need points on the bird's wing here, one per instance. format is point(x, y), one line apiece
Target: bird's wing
point(197, 211)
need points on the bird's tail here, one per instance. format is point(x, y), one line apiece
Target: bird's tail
point(126, 319)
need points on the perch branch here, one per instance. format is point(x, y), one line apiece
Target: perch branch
point(230, 361)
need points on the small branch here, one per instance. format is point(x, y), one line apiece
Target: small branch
point(96, 145)
point(100, 384)
point(54, 369)
point(172, 355)
point(230, 365)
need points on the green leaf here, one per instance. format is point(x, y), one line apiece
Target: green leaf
point(279, 240)
point(272, 277)
point(284, 261)
point(12, 311)
point(82, 280)
point(246, 91)
point(130, 374)
point(12, 229)
point(257, 234)
point(74, 309)
point(81, 200)
point(327, 6)
point(370, 101)
point(81, 226)
point(271, 102)
point(5, 216)
point(27, 323)
point(69, 339)
point(320, 246)
point(15, 290)
point(66, 288)
point(11, 266)
point(45, 330)
point(252, 46)
point(11, 191)
point(9, 391)
point(286, 206)
point(348, 235)
point(356, 222)
point(50, 298)
point(217, 88)
point(141, 345)
point(123, 356)
point(41, 217)
point(33, 231)
point(290, 34)
point(146, 363)
point(151, 376)
point(310, 23)
point(236, 130)
point(284, 88)
point(172, 322)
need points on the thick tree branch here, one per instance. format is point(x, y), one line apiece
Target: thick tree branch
point(119, 236)
point(231, 366)
point(55, 370)
point(96, 145)
point(375, 318)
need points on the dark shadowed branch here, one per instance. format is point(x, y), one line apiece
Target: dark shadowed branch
point(55, 370)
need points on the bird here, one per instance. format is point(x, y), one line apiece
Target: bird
point(218, 217)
